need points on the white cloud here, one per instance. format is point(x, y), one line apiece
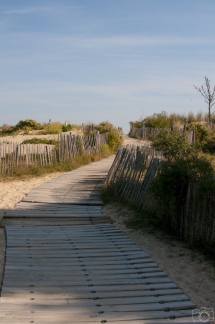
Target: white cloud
point(89, 42)
point(133, 40)
point(39, 9)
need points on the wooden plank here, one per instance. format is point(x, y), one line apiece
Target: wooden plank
point(80, 308)
point(187, 320)
point(111, 289)
point(20, 266)
point(88, 302)
point(95, 282)
point(92, 294)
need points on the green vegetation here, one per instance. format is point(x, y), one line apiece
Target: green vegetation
point(26, 173)
point(172, 144)
point(52, 128)
point(184, 165)
point(23, 172)
point(29, 125)
point(204, 135)
point(23, 125)
point(115, 136)
point(183, 187)
point(36, 140)
point(69, 127)
point(165, 120)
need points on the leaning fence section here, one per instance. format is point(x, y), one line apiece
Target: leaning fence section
point(131, 173)
point(129, 179)
point(16, 155)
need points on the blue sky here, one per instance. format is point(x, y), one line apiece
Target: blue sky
point(94, 60)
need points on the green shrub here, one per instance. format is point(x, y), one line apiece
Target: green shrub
point(28, 123)
point(172, 144)
point(103, 127)
point(66, 128)
point(137, 123)
point(160, 120)
point(105, 148)
point(76, 126)
point(40, 141)
point(165, 120)
point(184, 164)
point(115, 139)
point(209, 146)
point(115, 136)
point(10, 130)
point(170, 188)
point(201, 133)
point(52, 128)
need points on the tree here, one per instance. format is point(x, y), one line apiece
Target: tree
point(209, 96)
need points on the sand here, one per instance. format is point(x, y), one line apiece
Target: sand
point(22, 137)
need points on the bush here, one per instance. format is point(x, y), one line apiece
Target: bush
point(172, 144)
point(28, 123)
point(40, 141)
point(66, 128)
point(52, 128)
point(209, 146)
point(165, 120)
point(10, 130)
point(137, 123)
point(160, 120)
point(170, 188)
point(69, 127)
point(185, 164)
point(115, 139)
point(115, 136)
point(105, 150)
point(201, 133)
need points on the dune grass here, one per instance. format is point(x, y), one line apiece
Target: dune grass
point(25, 173)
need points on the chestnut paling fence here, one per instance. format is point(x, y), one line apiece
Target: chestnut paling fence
point(145, 133)
point(129, 178)
point(72, 145)
point(15, 155)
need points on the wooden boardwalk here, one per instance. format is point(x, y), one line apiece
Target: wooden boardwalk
point(66, 262)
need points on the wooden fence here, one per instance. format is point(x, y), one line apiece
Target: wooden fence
point(129, 179)
point(24, 155)
point(131, 173)
point(72, 145)
point(145, 133)
point(18, 155)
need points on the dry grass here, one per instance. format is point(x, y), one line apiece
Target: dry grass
point(25, 173)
